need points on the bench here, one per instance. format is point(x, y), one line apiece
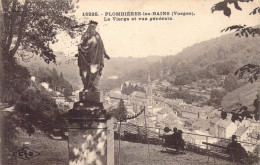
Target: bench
point(221, 151)
point(128, 136)
point(170, 143)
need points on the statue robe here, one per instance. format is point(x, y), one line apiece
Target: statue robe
point(91, 58)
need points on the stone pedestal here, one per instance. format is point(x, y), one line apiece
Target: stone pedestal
point(89, 132)
point(91, 96)
point(88, 143)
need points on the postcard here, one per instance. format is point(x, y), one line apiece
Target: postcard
point(123, 82)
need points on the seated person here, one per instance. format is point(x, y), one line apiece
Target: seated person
point(235, 150)
point(175, 137)
point(172, 139)
point(167, 137)
point(181, 142)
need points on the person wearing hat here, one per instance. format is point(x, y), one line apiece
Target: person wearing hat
point(235, 150)
point(91, 57)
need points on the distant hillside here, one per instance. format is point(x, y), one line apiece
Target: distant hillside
point(219, 56)
point(66, 65)
point(243, 96)
point(123, 68)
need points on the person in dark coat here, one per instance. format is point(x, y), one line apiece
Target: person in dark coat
point(181, 142)
point(235, 150)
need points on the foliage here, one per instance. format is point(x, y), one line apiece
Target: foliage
point(256, 104)
point(16, 81)
point(230, 83)
point(33, 25)
point(120, 113)
point(245, 114)
point(251, 70)
point(241, 30)
point(34, 110)
point(56, 81)
point(207, 60)
point(183, 94)
point(38, 110)
point(216, 97)
point(223, 115)
point(130, 88)
point(8, 135)
point(185, 78)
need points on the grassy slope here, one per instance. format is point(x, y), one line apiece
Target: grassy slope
point(136, 153)
point(245, 95)
point(54, 152)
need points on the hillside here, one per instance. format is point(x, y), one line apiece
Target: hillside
point(124, 68)
point(221, 56)
point(218, 56)
point(244, 96)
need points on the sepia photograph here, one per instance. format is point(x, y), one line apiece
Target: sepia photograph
point(130, 82)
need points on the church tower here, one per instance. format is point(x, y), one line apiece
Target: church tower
point(149, 91)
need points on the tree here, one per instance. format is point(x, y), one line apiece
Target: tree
point(1, 48)
point(241, 30)
point(120, 113)
point(230, 83)
point(253, 71)
point(216, 96)
point(33, 25)
point(185, 78)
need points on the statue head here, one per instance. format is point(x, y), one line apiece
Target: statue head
point(92, 27)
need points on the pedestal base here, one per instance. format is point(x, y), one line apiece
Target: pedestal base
point(88, 146)
point(91, 96)
point(90, 135)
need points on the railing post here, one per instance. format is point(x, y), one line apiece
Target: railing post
point(207, 142)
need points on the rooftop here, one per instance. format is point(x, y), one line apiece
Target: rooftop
point(204, 124)
point(117, 96)
point(215, 119)
point(224, 123)
point(241, 130)
point(138, 94)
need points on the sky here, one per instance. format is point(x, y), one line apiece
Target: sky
point(160, 38)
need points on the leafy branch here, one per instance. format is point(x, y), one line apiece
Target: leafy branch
point(243, 30)
point(253, 72)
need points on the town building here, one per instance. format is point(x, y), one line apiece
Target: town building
point(225, 128)
point(242, 133)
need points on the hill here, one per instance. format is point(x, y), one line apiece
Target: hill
point(121, 68)
point(218, 56)
point(205, 60)
point(244, 96)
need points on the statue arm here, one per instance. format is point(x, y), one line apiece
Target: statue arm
point(105, 53)
point(107, 56)
point(87, 47)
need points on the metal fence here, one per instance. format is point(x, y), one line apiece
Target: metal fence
point(135, 133)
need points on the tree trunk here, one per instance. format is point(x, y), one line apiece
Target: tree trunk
point(1, 48)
